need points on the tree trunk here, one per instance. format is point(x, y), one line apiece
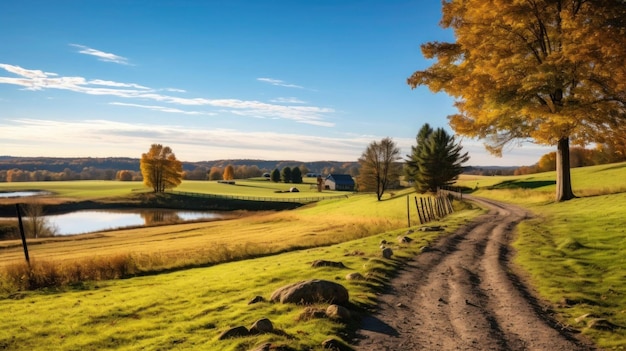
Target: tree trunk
point(563, 178)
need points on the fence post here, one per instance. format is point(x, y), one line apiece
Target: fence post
point(408, 212)
point(19, 220)
point(418, 212)
point(429, 205)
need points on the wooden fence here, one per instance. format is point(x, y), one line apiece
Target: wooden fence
point(433, 207)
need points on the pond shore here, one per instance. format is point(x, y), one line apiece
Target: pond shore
point(56, 205)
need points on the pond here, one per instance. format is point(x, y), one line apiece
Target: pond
point(89, 221)
point(12, 194)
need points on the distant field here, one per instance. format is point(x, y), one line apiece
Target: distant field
point(103, 189)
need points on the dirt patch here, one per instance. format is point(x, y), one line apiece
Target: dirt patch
point(462, 295)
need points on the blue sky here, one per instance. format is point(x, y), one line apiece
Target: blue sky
point(229, 79)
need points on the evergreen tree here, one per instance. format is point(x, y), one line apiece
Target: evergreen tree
point(296, 175)
point(435, 161)
point(286, 175)
point(275, 176)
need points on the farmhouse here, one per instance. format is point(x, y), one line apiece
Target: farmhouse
point(343, 182)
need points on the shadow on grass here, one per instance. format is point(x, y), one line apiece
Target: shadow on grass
point(617, 166)
point(516, 184)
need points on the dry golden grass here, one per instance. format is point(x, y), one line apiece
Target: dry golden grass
point(114, 254)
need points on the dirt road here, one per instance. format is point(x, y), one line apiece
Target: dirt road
point(461, 295)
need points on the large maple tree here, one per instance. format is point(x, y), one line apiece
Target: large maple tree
point(550, 71)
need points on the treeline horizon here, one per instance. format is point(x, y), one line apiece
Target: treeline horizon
point(21, 169)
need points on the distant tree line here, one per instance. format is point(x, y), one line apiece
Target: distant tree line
point(26, 169)
point(579, 157)
point(88, 173)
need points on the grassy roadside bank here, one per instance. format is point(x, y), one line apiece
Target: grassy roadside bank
point(575, 251)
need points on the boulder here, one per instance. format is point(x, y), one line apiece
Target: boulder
point(311, 291)
point(234, 333)
point(262, 326)
point(338, 312)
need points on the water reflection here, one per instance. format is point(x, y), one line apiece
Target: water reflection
point(11, 194)
point(92, 221)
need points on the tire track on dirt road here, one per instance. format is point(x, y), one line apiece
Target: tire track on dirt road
point(462, 295)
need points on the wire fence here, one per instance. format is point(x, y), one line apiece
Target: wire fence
point(260, 198)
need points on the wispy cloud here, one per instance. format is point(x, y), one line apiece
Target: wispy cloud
point(40, 80)
point(117, 84)
point(175, 90)
point(101, 55)
point(101, 138)
point(279, 82)
point(163, 109)
point(288, 100)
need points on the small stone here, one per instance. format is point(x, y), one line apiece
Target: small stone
point(355, 276)
point(234, 333)
point(404, 239)
point(387, 253)
point(256, 299)
point(262, 326)
point(335, 345)
point(338, 312)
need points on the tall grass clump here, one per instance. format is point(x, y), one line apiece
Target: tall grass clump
point(55, 274)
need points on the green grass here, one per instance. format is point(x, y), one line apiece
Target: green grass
point(188, 309)
point(541, 187)
point(102, 188)
point(574, 251)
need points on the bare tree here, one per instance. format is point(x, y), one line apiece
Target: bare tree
point(36, 224)
point(379, 166)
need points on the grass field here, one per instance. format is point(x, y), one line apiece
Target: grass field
point(575, 251)
point(94, 189)
point(188, 309)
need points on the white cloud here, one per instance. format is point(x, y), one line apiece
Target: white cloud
point(117, 84)
point(288, 100)
point(279, 82)
point(101, 55)
point(100, 138)
point(163, 109)
point(175, 90)
point(39, 80)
